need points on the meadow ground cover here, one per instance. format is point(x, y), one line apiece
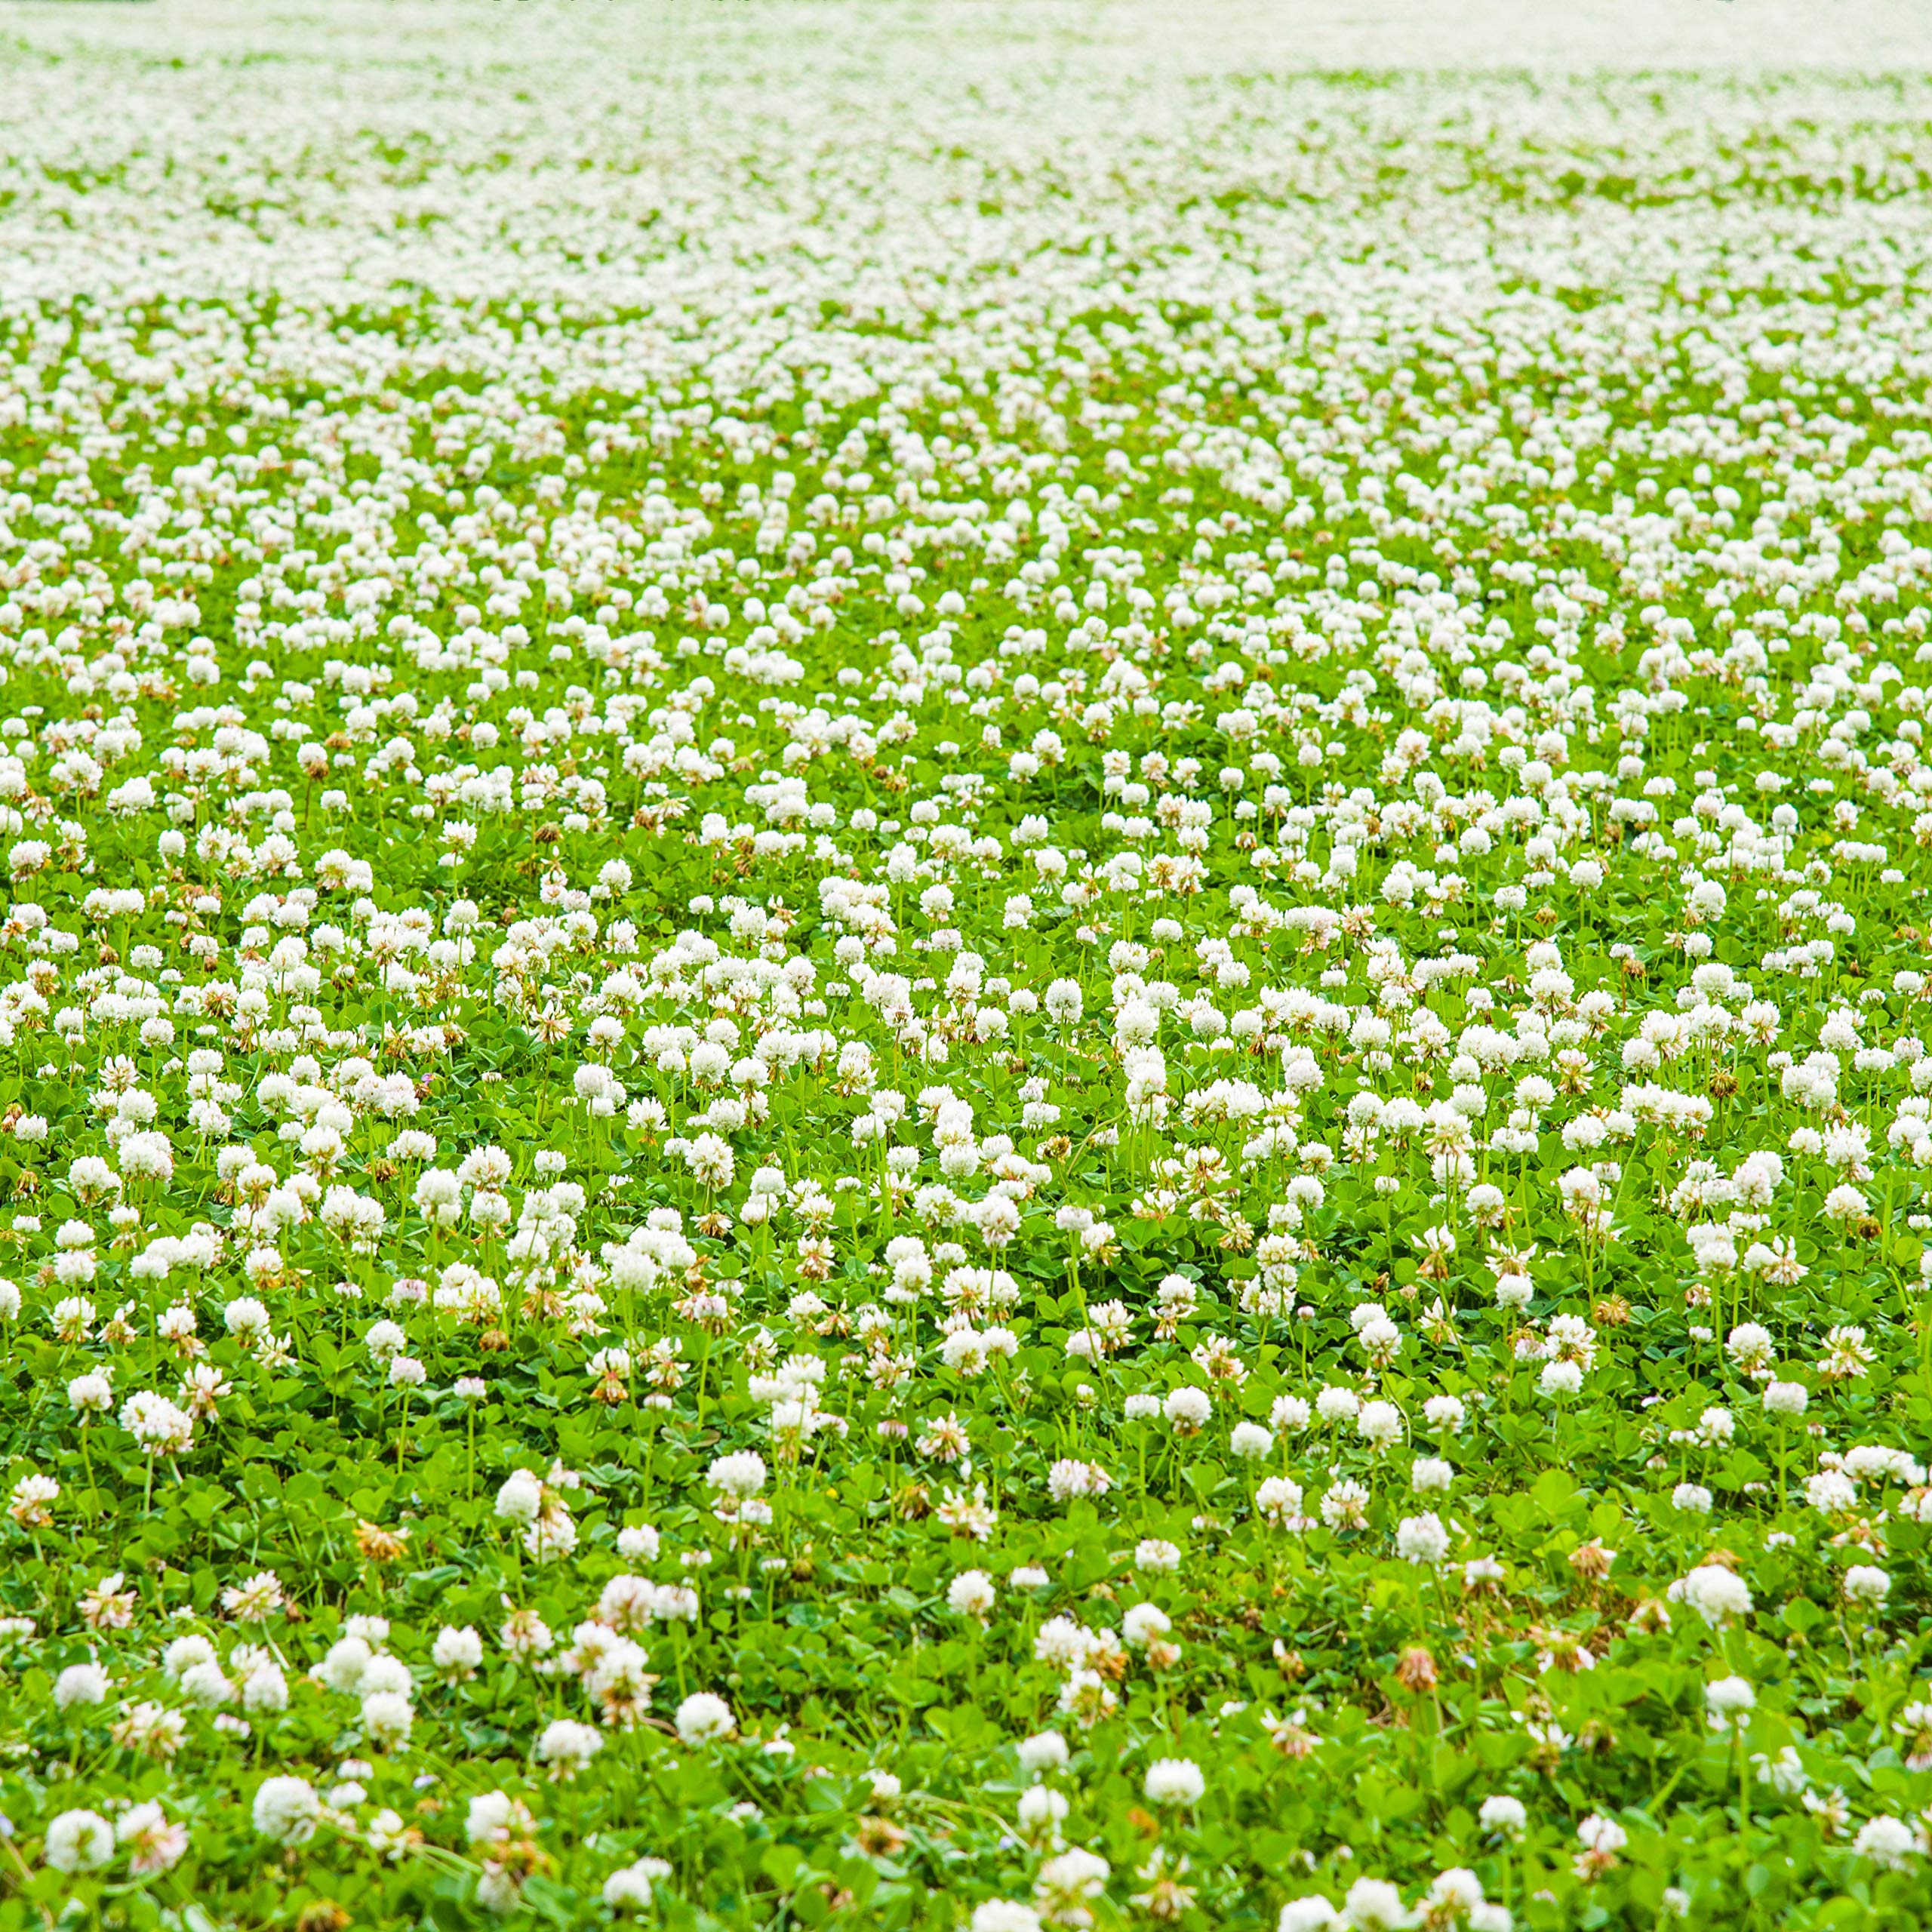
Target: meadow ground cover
point(1017, 1025)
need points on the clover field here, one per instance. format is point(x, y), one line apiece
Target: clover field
point(958, 968)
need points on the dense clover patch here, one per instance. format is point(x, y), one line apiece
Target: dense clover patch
point(1021, 1027)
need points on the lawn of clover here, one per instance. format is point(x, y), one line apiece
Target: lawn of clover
point(1020, 1026)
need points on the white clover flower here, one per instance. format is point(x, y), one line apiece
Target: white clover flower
point(1380, 1424)
point(1866, 1583)
point(1312, 1914)
point(1505, 1817)
point(1046, 1752)
point(1336, 1404)
point(388, 1717)
point(1890, 1843)
point(971, 1593)
point(1729, 1700)
point(1560, 1378)
point(1430, 1474)
point(1279, 1500)
point(520, 1500)
point(736, 1475)
point(286, 1810)
point(1188, 1409)
point(456, 1653)
point(631, 1887)
point(1174, 1782)
point(79, 1842)
point(1004, 1915)
point(1374, 1905)
point(80, 1684)
point(1422, 1539)
point(703, 1718)
point(1719, 1595)
point(567, 1746)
